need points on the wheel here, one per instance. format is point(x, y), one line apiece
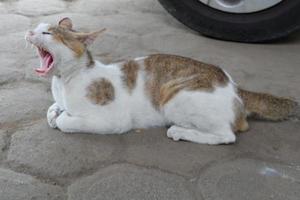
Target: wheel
point(238, 20)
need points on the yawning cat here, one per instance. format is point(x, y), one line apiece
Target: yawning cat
point(200, 102)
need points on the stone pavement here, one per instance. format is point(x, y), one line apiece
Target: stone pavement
point(39, 163)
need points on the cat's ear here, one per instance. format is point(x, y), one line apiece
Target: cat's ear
point(66, 23)
point(88, 38)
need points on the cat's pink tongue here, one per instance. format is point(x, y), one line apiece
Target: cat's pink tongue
point(45, 65)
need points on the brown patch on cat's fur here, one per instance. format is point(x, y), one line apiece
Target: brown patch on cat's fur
point(101, 91)
point(66, 37)
point(240, 124)
point(90, 59)
point(130, 73)
point(266, 106)
point(169, 74)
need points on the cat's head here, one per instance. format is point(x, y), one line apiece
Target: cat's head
point(59, 44)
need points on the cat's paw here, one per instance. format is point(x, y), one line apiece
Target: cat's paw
point(52, 114)
point(173, 134)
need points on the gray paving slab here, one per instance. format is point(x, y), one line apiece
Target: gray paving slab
point(107, 7)
point(250, 179)
point(49, 153)
point(39, 7)
point(9, 71)
point(23, 101)
point(154, 148)
point(14, 43)
point(16, 186)
point(130, 182)
point(12, 23)
point(277, 142)
point(2, 144)
point(2, 8)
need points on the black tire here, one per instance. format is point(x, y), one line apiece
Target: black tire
point(272, 23)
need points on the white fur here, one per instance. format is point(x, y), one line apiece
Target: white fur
point(196, 116)
point(202, 117)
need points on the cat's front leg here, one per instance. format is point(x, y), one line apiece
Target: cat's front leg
point(69, 124)
point(97, 125)
point(53, 113)
point(57, 88)
point(57, 108)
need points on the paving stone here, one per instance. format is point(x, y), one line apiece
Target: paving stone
point(108, 47)
point(15, 44)
point(274, 69)
point(106, 7)
point(81, 21)
point(8, 70)
point(2, 140)
point(131, 24)
point(13, 23)
point(15, 186)
point(2, 143)
point(9, 75)
point(273, 141)
point(3, 9)
point(126, 47)
point(48, 152)
point(129, 182)
point(128, 23)
point(23, 101)
point(153, 148)
point(250, 180)
point(39, 7)
point(164, 42)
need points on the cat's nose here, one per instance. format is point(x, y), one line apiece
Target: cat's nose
point(28, 35)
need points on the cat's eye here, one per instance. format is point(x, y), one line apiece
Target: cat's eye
point(46, 33)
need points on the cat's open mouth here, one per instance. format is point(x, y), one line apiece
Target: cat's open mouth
point(46, 61)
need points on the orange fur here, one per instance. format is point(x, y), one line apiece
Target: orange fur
point(240, 123)
point(169, 74)
point(101, 91)
point(266, 106)
point(130, 73)
point(68, 38)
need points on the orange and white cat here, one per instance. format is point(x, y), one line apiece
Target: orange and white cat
point(199, 102)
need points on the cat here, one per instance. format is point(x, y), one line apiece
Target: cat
point(199, 102)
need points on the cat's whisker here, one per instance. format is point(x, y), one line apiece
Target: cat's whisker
point(26, 44)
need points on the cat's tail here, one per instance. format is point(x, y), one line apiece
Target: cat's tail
point(267, 106)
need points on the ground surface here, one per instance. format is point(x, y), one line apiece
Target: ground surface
point(37, 162)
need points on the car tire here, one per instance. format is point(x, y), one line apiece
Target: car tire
point(269, 24)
